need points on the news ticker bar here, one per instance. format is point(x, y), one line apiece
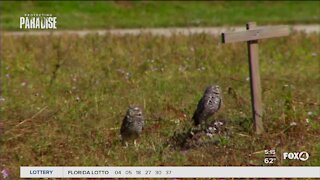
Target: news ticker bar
point(169, 172)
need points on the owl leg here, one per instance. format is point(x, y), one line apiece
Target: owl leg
point(136, 145)
point(203, 125)
point(125, 143)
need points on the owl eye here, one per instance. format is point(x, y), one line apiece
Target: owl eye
point(139, 114)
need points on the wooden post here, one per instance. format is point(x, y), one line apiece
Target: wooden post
point(255, 85)
point(251, 36)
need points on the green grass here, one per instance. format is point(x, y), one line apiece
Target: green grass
point(99, 15)
point(72, 94)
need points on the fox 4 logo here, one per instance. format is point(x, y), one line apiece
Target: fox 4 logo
point(301, 156)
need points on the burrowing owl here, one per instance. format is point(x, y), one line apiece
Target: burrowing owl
point(208, 105)
point(132, 124)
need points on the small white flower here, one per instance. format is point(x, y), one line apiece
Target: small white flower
point(2, 99)
point(248, 79)
point(285, 85)
point(5, 173)
point(201, 68)
point(154, 69)
point(310, 113)
point(182, 69)
point(307, 120)
point(192, 133)
point(127, 75)
point(7, 75)
point(77, 98)
point(218, 123)
point(209, 134)
point(23, 84)
point(212, 130)
point(293, 124)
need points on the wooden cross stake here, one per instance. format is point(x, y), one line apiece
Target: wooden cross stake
point(251, 36)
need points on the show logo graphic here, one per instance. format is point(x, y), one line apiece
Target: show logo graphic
point(38, 21)
point(270, 156)
point(301, 156)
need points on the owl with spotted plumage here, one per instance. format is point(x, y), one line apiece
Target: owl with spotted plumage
point(132, 124)
point(208, 105)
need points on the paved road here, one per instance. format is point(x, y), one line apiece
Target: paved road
point(157, 31)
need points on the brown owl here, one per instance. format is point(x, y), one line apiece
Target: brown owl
point(132, 124)
point(208, 105)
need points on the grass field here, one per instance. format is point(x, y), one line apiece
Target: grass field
point(99, 15)
point(65, 98)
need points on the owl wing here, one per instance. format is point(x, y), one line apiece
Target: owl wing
point(197, 116)
point(124, 125)
point(220, 103)
point(142, 123)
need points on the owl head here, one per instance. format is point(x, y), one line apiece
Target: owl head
point(213, 89)
point(134, 111)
